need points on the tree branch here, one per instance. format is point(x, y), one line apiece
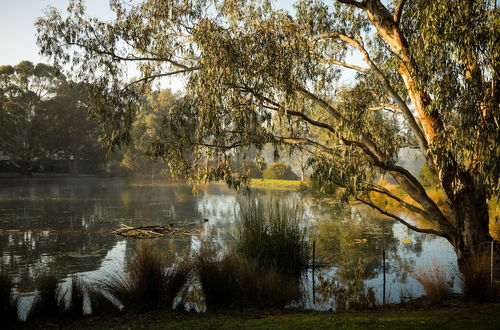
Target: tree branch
point(352, 3)
point(346, 65)
point(401, 220)
point(166, 74)
point(399, 11)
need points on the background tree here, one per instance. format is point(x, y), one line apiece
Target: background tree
point(68, 130)
point(257, 75)
point(279, 171)
point(145, 131)
point(23, 88)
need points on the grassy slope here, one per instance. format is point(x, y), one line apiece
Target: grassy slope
point(469, 317)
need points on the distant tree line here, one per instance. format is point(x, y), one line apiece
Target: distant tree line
point(47, 126)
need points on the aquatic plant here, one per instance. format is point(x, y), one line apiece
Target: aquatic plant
point(8, 302)
point(147, 284)
point(274, 235)
point(436, 282)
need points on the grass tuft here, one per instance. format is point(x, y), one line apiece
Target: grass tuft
point(147, 285)
point(233, 281)
point(274, 235)
point(436, 282)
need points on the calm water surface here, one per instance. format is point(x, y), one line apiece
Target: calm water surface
point(64, 225)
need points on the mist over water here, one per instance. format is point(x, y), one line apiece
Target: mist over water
point(63, 225)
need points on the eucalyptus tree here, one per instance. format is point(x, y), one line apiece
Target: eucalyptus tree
point(258, 75)
point(23, 88)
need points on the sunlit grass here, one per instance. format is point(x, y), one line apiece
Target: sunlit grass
point(276, 184)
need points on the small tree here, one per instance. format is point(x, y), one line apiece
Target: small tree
point(279, 171)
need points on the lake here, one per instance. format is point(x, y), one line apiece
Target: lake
point(63, 225)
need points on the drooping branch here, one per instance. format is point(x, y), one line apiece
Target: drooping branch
point(401, 220)
point(384, 191)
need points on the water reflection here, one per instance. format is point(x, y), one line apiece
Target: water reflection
point(65, 225)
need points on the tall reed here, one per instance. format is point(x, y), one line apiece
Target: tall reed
point(147, 285)
point(273, 234)
point(8, 303)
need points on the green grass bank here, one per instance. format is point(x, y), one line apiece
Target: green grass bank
point(463, 317)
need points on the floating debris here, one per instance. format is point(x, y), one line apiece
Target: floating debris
point(158, 231)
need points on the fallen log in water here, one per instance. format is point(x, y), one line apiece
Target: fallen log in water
point(157, 231)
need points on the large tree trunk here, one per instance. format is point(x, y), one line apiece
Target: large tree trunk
point(470, 211)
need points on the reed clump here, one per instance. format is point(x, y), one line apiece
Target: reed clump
point(8, 302)
point(233, 281)
point(475, 279)
point(436, 282)
point(148, 284)
point(274, 235)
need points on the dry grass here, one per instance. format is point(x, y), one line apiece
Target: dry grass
point(147, 285)
point(475, 279)
point(8, 303)
point(436, 282)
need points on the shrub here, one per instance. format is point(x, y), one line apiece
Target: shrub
point(8, 303)
point(147, 284)
point(274, 235)
point(233, 281)
point(475, 279)
point(279, 171)
point(436, 282)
